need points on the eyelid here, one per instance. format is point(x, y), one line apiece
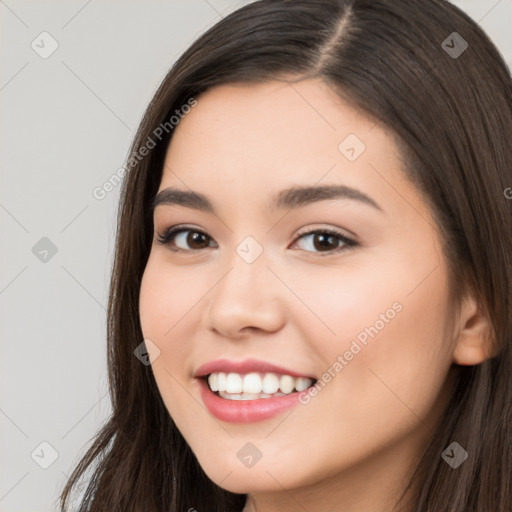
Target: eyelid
point(326, 229)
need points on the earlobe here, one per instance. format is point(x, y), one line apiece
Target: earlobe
point(474, 343)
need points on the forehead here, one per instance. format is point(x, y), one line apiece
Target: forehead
point(293, 120)
point(250, 138)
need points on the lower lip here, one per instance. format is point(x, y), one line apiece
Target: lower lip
point(245, 411)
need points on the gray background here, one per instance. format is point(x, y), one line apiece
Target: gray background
point(66, 123)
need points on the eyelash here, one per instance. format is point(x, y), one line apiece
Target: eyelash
point(167, 236)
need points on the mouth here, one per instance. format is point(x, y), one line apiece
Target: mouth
point(255, 385)
point(250, 390)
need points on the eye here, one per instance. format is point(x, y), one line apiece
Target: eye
point(183, 239)
point(180, 238)
point(325, 241)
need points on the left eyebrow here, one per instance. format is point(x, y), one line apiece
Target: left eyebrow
point(290, 198)
point(301, 196)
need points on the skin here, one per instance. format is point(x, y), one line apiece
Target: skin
point(353, 446)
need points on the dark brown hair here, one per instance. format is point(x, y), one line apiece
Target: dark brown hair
point(452, 118)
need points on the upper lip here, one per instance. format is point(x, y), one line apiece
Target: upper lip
point(245, 366)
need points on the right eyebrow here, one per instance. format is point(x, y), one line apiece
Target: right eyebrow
point(188, 198)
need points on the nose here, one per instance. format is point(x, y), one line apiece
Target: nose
point(248, 298)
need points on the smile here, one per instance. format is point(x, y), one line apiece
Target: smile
point(253, 386)
point(249, 390)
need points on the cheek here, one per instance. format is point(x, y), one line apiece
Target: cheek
point(170, 302)
point(167, 296)
point(384, 338)
point(338, 306)
point(392, 348)
point(166, 307)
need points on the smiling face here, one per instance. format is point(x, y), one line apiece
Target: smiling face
point(345, 284)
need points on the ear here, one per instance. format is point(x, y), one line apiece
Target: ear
point(473, 343)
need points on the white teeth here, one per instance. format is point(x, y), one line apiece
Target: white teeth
point(213, 381)
point(286, 384)
point(302, 383)
point(221, 381)
point(252, 386)
point(246, 396)
point(252, 383)
point(270, 383)
point(234, 383)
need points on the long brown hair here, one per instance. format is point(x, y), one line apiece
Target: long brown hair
point(449, 104)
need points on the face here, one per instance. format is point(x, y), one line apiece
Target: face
point(348, 290)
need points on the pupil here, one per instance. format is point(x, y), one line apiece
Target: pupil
point(325, 241)
point(195, 238)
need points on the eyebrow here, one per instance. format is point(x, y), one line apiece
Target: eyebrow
point(290, 198)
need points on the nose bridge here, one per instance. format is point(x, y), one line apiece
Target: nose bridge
point(247, 271)
point(248, 294)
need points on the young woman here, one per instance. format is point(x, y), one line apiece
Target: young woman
point(310, 305)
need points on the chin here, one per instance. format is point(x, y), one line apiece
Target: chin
point(246, 484)
point(261, 477)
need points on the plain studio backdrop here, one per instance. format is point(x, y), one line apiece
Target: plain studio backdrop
point(75, 79)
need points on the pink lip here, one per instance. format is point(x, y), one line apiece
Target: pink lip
point(245, 411)
point(243, 367)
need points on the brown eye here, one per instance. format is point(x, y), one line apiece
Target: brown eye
point(321, 241)
point(183, 239)
point(196, 239)
point(325, 241)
